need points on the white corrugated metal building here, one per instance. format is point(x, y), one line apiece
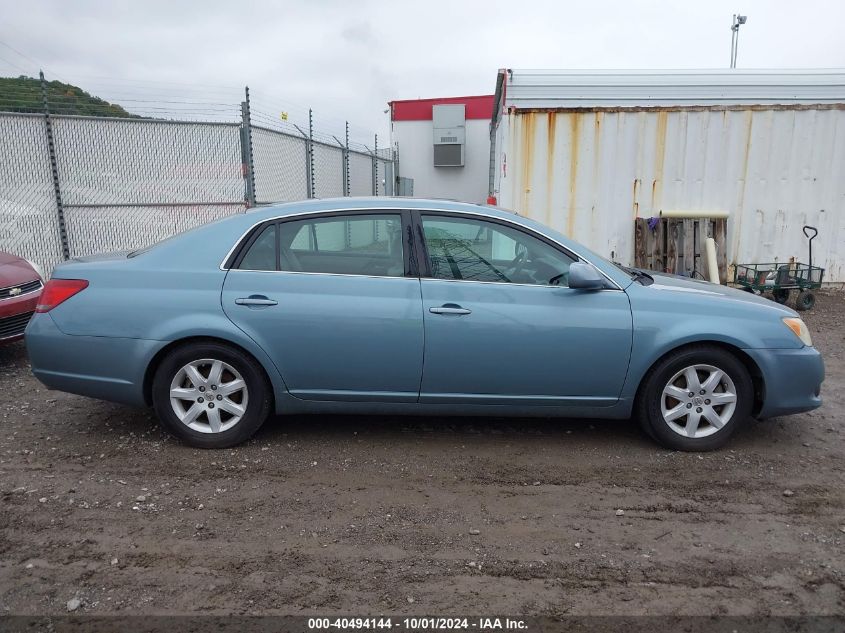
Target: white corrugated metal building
point(587, 152)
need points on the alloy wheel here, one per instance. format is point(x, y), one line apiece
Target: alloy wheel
point(698, 401)
point(209, 396)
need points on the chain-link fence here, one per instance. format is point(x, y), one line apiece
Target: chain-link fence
point(76, 185)
point(29, 223)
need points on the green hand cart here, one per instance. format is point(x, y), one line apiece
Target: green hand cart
point(782, 279)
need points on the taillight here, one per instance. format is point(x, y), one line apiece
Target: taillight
point(58, 291)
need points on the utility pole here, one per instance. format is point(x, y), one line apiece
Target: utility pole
point(738, 20)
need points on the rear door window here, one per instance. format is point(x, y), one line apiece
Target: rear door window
point(348, 245)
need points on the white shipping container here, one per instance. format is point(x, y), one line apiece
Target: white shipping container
point(566, 156)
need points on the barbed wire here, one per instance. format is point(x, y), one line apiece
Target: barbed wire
point(161, 99)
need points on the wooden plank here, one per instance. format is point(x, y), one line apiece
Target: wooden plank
point(701, 246)
point(658, 254)
point(672, 236)
point(648, 245)
point(640, 242)
point(720, 236)
point(653, 249)
point(688, 240)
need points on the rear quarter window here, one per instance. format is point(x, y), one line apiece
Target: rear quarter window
point(261, 254)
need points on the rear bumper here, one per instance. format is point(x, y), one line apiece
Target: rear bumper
point(95, 366)
point(792, 378)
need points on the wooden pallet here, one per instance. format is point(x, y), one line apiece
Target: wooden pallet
point(671, 247)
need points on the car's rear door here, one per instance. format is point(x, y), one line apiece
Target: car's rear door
point(502, 327)
point(332, 299)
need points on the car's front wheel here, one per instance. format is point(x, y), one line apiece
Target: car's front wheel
point(696, 398)
point(211, 395)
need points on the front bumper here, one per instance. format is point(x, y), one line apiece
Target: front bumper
point(792, 380)
point(15, 314)
point(95, 366)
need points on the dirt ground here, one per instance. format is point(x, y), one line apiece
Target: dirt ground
point(329, 515)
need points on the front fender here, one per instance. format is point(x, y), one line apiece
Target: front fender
point(664, 321)
point(650, 346)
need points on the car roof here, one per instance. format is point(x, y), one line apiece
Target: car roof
point(372, 202)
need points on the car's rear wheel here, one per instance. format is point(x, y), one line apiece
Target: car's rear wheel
point(696, 398)
point(211, 395)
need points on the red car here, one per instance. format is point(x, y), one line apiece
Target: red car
point(20, 287)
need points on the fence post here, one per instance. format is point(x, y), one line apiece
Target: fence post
point(394, 170)
point(247, 164)
point(375, 166)
point(54, 167)
point(308, 182)
point(396, 173)
point(312, 181)
point(346, 180)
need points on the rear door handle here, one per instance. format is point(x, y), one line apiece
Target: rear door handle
point(450, 308)
point(256, 300)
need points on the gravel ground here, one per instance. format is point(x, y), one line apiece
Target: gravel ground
point(103, 513)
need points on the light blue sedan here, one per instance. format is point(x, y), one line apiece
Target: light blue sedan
point(404, 306)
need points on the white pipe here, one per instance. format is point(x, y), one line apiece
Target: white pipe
point(712, 266)
point(674, 213)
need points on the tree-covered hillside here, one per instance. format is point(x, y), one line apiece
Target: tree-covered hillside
point(23, 94)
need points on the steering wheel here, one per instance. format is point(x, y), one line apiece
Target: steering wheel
point(555, 281)
point(517, 263)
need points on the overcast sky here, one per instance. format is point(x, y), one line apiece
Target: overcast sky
point(346, 59)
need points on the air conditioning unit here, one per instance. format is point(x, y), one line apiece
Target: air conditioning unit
point(449, 121)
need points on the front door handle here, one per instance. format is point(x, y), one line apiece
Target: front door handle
point(256, 300)
point(450, 308)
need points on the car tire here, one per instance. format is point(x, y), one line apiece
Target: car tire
point(684, 422)
point(211, 395)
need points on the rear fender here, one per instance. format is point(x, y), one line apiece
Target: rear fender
point(218, 327)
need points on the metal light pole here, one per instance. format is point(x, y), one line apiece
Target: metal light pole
point(738, 20)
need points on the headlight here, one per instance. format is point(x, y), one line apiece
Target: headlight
point(36, 268)
point(799, 328)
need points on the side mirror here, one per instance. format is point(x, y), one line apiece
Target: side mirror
point(583, 276)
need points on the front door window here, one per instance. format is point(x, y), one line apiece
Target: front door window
point(476, 250)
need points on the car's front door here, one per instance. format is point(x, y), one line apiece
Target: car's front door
point(502, 327)
point(331, 300)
